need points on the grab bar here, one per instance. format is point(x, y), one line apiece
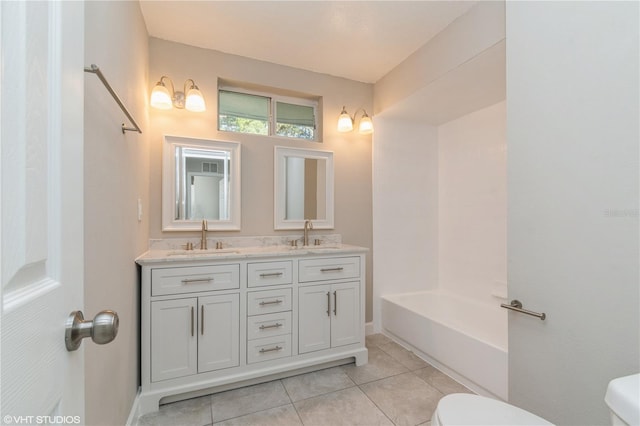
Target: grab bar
point(95, 70)
point(516, 305)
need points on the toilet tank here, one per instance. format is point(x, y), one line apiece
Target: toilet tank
point(623, 399)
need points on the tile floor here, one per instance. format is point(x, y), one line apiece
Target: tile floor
point(394, 388)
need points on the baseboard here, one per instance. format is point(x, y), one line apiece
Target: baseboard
point(368, 329)
point(132, 420)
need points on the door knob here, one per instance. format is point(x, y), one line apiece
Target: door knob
point(102, 329)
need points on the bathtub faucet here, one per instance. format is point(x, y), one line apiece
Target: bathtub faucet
point(307, 226)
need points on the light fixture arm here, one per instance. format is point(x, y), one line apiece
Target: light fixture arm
point(356, 113)
point(178, 97)
point(347, 121)
point(173, 90)
point(163, 99)
point(192, 86)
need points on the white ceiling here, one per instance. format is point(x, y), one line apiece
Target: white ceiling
point(358, 40)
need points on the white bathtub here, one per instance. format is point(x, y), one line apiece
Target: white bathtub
point(464, 338)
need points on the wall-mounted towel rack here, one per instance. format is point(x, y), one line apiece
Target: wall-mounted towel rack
point(95, 70)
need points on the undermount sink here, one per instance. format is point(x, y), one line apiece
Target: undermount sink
point(325, 248)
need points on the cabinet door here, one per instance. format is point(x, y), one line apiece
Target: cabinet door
point(314, 321)
point(173, 339)
point(218, 332)
point(345, 314)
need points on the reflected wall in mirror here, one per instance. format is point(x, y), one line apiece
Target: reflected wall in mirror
point(201, 180)
point(303, 188)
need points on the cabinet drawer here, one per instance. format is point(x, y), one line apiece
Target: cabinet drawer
point(268, 301)
point(269, 273)
point(268, 325)
point(268, 348)
point(333, 268)
point(193, 279)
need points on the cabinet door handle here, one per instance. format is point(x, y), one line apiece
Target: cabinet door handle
point(338, 269)
point(265, 327)
point(328, 303)
point(271, 274)
point(276, 348)
point(202, 320)
point(272, 302)
point(192, 321)
point(335, 303)
point(197, 280)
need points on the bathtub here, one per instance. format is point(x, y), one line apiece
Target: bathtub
point(463, 338)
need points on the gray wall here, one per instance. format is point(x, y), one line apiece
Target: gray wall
point(352, 151)
point(116, 173)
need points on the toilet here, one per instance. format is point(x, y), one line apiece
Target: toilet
point(469, 409)
point(622, 397)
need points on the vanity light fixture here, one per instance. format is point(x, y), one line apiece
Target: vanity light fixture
point(161, 98)
point(345, 122)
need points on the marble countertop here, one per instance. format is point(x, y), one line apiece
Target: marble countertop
point(154, 256)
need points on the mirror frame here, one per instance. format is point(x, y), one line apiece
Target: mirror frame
point(280, 155)
point(169, 223)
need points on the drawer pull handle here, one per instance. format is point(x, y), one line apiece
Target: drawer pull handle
point(338, 269)
point(276, 348)
point(265, 327)
point(197, 280)
point(271, 274)
point(335, 303)
point(328, 303)
point(202, 320)
point(192, 321)
point(271, 302)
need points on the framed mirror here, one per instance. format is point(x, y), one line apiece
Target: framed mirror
point(200, 180)
point(303, 188)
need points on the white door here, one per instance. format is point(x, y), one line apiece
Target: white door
point(41, 196)
point(345, 317)
point(174, 338)
point(314, 322)
point(219, 332)
point(572, 133)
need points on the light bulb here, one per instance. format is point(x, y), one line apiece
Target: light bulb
point(345, 123)
point(195, 100)
point(160, 97)
point(366, 125)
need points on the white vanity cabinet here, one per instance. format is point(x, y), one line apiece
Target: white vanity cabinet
point(190, 335)
point(212, 322)
point(329, 316)
point(330, 312)
point(194, 335)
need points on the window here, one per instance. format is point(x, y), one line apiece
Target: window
point(295, 121)
point(269, 115)
point(244, 113)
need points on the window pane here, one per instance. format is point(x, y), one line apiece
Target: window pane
point(240, 112)
point(295, 121)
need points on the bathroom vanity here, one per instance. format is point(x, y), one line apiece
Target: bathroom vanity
point(213, 320)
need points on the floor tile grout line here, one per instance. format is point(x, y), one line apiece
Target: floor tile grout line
point(293, 404)
point(416, 369)
point(256, 412)
point(298, 413)
point(412, 371)
point(376, 405)
point(252, 412)
point(326, 393)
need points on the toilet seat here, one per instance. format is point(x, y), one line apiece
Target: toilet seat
point(468, 409)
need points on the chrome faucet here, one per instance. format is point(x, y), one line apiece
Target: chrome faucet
point(307, 226)
point(203, 238)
